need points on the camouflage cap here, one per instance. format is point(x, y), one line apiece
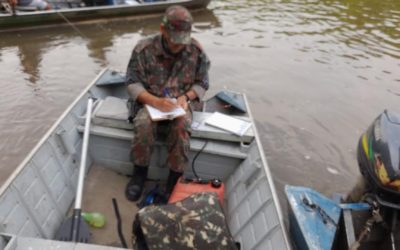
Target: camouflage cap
point(178, 23)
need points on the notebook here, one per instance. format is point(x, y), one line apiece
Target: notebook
point(158, 115)
point(228, 123)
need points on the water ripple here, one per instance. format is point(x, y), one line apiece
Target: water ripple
point(363, 26)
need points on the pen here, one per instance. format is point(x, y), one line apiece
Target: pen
point(166, 93)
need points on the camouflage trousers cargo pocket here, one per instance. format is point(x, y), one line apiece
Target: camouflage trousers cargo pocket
point(196, 222)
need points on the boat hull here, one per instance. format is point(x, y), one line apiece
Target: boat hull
point(37, 197)
point(51, 17)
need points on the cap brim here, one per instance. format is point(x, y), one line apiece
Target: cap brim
point(180, 37)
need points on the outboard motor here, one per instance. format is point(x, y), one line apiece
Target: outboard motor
point(378, 157)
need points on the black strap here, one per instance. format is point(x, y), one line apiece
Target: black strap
point(119, 224)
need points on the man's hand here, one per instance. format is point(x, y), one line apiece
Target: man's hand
point(165, 104)
point(182, 101)
point(162, 103)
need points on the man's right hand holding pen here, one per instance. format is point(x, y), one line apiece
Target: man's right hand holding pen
point(166, 103)
point(183, 100)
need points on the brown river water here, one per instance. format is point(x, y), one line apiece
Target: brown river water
point(316, 74)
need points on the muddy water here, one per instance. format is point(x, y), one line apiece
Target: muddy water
point(316, 73)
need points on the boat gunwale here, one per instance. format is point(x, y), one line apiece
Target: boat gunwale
point(94, 8)
point(47, 135)
point(268, 175)
point(47, 19)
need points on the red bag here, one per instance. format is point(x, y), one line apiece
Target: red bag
point(185, 188)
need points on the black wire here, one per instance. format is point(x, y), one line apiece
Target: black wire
point(194, 159)
point(119, 224)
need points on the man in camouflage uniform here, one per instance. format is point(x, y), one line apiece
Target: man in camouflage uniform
point(165, 71)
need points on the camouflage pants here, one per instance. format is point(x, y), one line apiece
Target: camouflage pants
point(145, 134)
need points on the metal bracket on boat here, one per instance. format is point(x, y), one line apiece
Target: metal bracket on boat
point(375, 218)
point(62, 138)
point(244, 147)
point(315, 208)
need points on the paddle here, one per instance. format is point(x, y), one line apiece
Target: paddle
point(75, 228)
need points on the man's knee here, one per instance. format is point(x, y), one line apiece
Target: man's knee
point(143, 126)
point(181, 127)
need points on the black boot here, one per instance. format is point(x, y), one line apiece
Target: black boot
point(172, 179)
point(134, 188)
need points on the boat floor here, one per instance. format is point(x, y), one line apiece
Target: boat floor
point(101, 185)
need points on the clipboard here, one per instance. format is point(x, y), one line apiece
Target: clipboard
point(158, 115)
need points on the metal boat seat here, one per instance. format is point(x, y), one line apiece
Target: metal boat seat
point(110, 123)
point(112, 112)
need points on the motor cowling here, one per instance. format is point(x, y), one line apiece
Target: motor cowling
point(378, 156)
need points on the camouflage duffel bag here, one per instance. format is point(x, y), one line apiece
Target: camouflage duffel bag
point(196, 222)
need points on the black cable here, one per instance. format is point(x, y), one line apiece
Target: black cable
point(119, 224)
point(194, 159)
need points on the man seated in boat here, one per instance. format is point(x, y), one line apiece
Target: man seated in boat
point(167, 70)
point(34, 4)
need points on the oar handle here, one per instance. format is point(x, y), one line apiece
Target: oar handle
point(76, 221)
point(85, 143)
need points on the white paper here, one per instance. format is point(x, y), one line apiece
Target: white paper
point(195, 124)
point(157, 114)
point(228, 123)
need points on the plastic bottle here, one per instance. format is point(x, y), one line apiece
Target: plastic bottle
point(94, 219)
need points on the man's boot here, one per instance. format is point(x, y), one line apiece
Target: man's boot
point(134, 188)
point(172, 179)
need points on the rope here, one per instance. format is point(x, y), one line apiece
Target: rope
point(71, 24)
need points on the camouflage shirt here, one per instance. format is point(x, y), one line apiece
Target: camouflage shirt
point(153, 69)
